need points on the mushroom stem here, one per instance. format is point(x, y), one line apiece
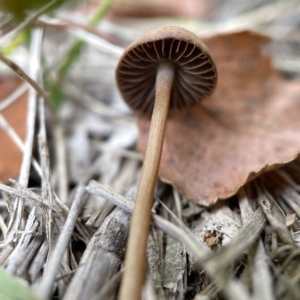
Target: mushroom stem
point(135, 260)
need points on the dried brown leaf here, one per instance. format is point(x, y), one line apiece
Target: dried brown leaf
point(15, 114)
point(250, 124)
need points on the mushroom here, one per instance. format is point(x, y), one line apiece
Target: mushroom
point(169, 67)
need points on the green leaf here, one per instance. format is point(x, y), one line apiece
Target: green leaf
point(13, 289)
point(15, 43)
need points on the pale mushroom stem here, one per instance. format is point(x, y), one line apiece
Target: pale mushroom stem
point(135, 260)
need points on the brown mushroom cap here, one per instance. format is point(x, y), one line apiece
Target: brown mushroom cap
point(195, 72)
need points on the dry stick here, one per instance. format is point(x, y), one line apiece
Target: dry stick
point(135, 261)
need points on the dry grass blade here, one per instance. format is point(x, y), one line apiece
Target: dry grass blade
point(231, 287)
point(90, 102)
point(45, 287)
point(61, 163)
point(38, 261)
point(25, 193)
point(19, 254)
point(261, 276)
point(30, 80)
point(97, 42)
point(47, 192)
point(27, 155)
point(262, 280)
point(274, 215)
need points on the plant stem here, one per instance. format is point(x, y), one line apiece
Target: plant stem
point(135, 261)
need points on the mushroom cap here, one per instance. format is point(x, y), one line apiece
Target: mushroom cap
point(195, 71)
